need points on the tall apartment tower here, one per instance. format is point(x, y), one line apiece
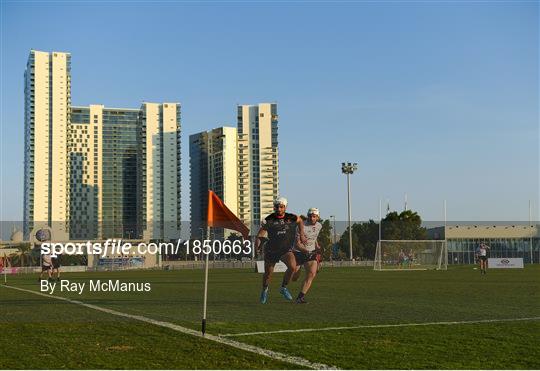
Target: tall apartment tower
point(47, 90)
point(125, 172)
point(214, 166)
point(97, 172)
point(159, 170)
point(103, 172)
point(258, 181)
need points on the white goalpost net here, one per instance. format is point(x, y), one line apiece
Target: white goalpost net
point(411, 255)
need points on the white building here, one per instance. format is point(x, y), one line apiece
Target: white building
point(96, 172)
point(47, 102)
point(159, 171)
point(258, 183)
point(239, 165)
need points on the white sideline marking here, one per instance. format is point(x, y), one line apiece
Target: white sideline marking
point(380, 326)
point(233, 343)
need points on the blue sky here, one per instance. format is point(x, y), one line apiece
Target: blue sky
point(436, 100)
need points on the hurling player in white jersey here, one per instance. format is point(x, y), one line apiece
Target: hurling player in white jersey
point(308, 254)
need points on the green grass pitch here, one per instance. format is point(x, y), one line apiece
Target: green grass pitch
point(38, 332)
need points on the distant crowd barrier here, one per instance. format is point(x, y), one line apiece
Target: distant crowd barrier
point(182, 264)
point(177, 264)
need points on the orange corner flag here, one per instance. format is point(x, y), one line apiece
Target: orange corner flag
point(219, 215)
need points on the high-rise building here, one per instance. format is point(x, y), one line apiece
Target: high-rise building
point(250, 185)
point(125, 172)
point(47, 88)
point(159, 170)
point(96, 172)
point(214, 166)
point(258, 181)
point(103, 172)
point(84, 156)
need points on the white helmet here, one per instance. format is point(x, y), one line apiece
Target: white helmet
point(313, 211)
point(280, 201)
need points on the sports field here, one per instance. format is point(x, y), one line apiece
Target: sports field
point(356, 318)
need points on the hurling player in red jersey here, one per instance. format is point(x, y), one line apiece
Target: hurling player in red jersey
point(281, 229)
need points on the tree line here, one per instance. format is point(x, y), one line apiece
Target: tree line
point(406, 225)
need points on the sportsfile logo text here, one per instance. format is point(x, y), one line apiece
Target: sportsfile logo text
point(120, 247)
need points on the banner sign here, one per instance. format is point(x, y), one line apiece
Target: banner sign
point(505, 263)
point(279, 267)
point(9, 270)
point(131, 261)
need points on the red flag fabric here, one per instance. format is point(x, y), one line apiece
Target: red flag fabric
point(219, 215)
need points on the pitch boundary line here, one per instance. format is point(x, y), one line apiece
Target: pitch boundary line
point(380, 326)
point(218, 339)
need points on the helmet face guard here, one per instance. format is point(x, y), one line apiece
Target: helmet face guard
point(313, 211)
point(280, 201)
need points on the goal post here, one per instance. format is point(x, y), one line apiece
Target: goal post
point(411, 255)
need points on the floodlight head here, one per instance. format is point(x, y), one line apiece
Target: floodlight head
point(349, 167)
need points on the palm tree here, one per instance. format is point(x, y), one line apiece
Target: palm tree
point(23, 256)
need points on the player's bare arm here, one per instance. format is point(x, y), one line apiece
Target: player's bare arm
point(300, 224)
point(301, 246)
point(318, 248)
point(260, 235)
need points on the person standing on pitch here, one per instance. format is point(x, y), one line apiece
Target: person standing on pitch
point(55, 262)
point(46, 265)
point(308, 254)
point(44, 235)
point(281, 228)
point(481, 253)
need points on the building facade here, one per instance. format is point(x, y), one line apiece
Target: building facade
point(240, 165)
point(505, 241)
point(258, 160)
point(214, 166)
point(159, 171)
point(47, 88)
point(94, 172)
point(103, 172)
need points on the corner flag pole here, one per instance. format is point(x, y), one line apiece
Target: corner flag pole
point(203, 325)
point(218, 215)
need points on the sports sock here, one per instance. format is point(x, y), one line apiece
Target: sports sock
point(301, 295)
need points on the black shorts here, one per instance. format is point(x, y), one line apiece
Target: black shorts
point(273, 256)
point(55, 263)
point(483, 258)
point(302, 257)
point(45, 268)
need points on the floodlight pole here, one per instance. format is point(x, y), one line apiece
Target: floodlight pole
point(530, 235)
point(348, 169)
point(335, 237)
point(349, 207)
